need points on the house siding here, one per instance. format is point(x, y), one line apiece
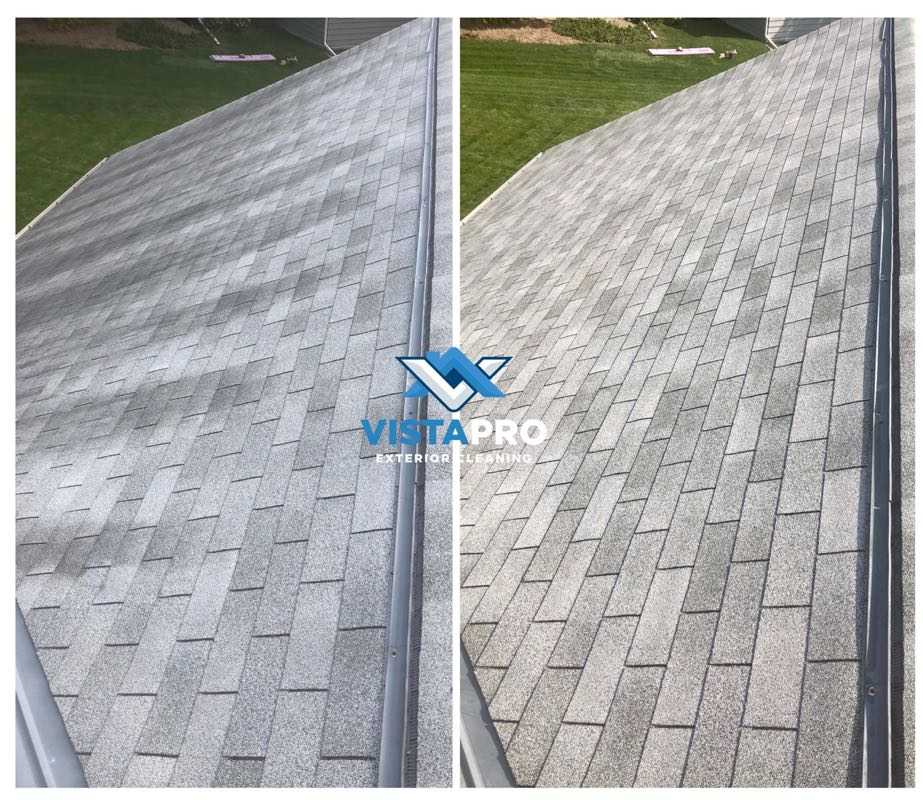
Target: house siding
point(755, 26)
point(783, 29)
point(311, 30)
point(344, 33)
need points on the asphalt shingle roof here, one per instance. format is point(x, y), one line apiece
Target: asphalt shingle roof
point(203, 541)
point(672, 592)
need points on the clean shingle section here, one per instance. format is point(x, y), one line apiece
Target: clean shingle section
point(711, 754)
point(829, 746)
point(204, 542)
point(778, 662)
point(764, 757)
point(693, 324)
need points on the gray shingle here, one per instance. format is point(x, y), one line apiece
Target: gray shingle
point(598, 511)
point(168, 718)
point(535, 528)
point(235, 513)
point(765, 757)
point(812, 411)
point(660, 505)
point(201, 752)
point(614, 543)
point(803, 477)
point(678, 700)
point(600, 676)
point(300, 502)
point(310, 650)
point(740, 612)
point(535, 733)
point(295, 741)
point(783, 391)
point(849, 444)
point(706, 461)
point(655, 631)
point(570, 755)
point(153, 652)
point(724, 403)
point(579, 632)
point(525, 670)
point(366, 589)
point(375, 496)
point(769, 458)
point(664, 757)
point(251, 720)
point(239, 773)
point(619, 749)
point(107, 764)
point(149, 771)
point(86, 716)
point(328, 543)
point(686, 528)
point(204, 609)
point(778, 661)
point(499, 594)
point(829, 741)
point(837, 616)
point(517, 617)
point(791, 561)
point(706, 587)
point(757, 519)
point(844, 511)
point(746, 426)
point(345, 772)
point(820, 360)
point(711, 754)
point(229, 650)
point(730, 488)
point(354, 701)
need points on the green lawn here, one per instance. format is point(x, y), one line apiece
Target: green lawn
point(74, 106)
point(520, 99)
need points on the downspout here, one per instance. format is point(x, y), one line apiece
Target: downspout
point(327, 46)
point(766, 37)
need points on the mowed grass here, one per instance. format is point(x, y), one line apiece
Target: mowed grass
point(520, 99)
point(75, 106)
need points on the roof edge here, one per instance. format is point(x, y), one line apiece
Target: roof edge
point(45, 755)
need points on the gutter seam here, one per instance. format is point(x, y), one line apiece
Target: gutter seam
point(407, 528)
point(877, 746)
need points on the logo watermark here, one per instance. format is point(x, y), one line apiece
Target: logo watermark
point(454, 380)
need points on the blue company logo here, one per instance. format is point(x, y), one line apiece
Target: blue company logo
point(452, 378)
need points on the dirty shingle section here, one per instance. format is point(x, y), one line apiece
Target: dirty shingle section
point(694, 325)
point(202, 325)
